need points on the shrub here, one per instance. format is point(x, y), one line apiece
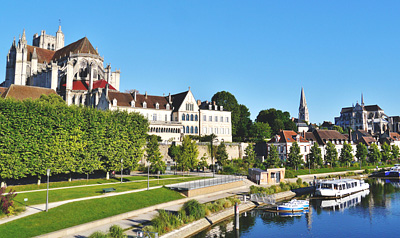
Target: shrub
point(98, 234)
point(116, 232)
point(7, 201)
point(194, 209)
point(299, 181)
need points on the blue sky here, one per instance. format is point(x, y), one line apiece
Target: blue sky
point(263, 52)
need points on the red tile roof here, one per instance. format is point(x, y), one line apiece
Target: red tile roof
point(21, 92)
point(42, 54)
point(287, 137)
point(84, 84)
point(395, 136)
point(125, 99)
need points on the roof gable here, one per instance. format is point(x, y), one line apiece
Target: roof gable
point(81, 46)
point(22, 92)
point(43, 55)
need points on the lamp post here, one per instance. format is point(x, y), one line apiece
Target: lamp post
point(212, 137)
point(47, 196)
point(148, 176)
point(122, 163)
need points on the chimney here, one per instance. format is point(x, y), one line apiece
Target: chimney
point(145, 95)
point(198, 102)
point(134, 95)
point(169, 98)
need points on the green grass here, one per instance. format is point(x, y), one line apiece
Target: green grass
point(43, 185)
point(328, 170)
point(76, 213)
point(80, 192)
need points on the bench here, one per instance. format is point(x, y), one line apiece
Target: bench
point(108, 190)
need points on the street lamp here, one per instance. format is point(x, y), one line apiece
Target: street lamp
point(122, 163)
point(148, 176)
point(47, 196)
point(212, 137)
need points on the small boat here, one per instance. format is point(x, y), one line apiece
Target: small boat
point(340, 187)
point(394, 171)
point(304, 203)
point(287, 206)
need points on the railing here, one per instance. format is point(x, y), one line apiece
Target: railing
point(207, 182)
point(263, 198)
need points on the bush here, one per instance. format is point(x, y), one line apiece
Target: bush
point(194, 209)
point(7, 201)
point(98, 234)
point(299, 181)
point(116, 232)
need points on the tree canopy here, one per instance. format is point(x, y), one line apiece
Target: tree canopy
point(346, 156)
point(331, 156)
point(273, 160)
point(277, 120)
point(362, 153)
point(294, 159)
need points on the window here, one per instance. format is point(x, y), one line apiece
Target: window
point(191, 117)
point(167, 107)
point(222, 119)
point(183, 117)
point(187, 129)
point(204, 118)
point(211, 130)
point(166, 117)
point(183, 129)
point(187, 117)
point(205, 130)
point(157, 106)
point(144, 105)
point(210, 118)
point(154, 117)
point(216, 130)
point(191, 129)
point(216, 118)
point(305, 148)
point(196, 118)
point(196, 130)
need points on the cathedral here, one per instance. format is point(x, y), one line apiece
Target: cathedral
point(73, 71)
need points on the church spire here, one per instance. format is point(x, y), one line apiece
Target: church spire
point(303, 110)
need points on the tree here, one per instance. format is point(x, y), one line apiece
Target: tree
point(277, 120)
point(203, 162)
point(294, 158)
point(362, 153)
point(154, 156)
point(174, 152)
point(189, 153)
point(346, 156)
point(244, 124)
point(260, 131)
point(221, 154)
point(331, 154)
point(273, 160)
point(338, 128)
point(315, 156)
point(374, 155)
point(229, 102)
point(395, 152)
point(250, 156)
point(386, 152)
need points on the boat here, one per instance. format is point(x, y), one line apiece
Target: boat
point(339, 187)
point(304, 203)
point(394, 171)
point(345, 202)
point(294, 206)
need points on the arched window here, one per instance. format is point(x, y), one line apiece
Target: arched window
point(187, 117)
point(183, 129)
point(187, 129)
point(196, 118)
point(191, 129)
point(196, 130)
point(144, 104)
point(191, 117)
point(183, 117)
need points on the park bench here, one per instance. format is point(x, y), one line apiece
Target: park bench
point(108, 190)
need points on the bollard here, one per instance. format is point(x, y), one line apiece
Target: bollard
point(244, 198)
point(236, 216)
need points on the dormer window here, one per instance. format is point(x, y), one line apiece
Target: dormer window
point(157, 106)
point(114, 102)
point(221, 108)
point(144, 104)
point(209, 107)
point(133, 103)
point(167, 107)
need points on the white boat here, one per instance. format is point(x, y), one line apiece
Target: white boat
point(394, 171)
point(346, 202)
point(339, 187)
point(294, 206)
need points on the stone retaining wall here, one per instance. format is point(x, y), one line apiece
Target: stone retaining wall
point(212, 189)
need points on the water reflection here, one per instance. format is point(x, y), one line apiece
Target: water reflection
point(376, 211)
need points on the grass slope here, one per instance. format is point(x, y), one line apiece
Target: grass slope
point(76, 213)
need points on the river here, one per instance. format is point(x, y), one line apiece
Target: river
point(373, 213)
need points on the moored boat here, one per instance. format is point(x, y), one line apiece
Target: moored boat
point(294, 206)
point(340, 187)
point(394, 171)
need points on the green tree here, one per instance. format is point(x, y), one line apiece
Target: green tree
point(346, 156)
point(203, 162)
point(386, 152)
point(174, 152)
point(331, 156)
point(277, 120)
point(294, 159)
point(229, 102)
point(362, 153)
point(250, 156)
point(374, 155)
point(243, 131)
point(338, 128)
point(154, 156)
point(260, 131)
point(221, 154)
point(395, 152)
point(315, 156)
point(189, 153)
point(273, 160)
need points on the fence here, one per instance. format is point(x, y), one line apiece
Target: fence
point(206, 182)
point(263, 198)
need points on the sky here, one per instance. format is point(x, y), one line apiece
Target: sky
point(263, 52)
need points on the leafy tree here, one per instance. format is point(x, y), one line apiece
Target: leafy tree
point(154, 156)
point(331, 154)
point(338, 128)
point(260, 131)
point(315, 156)
point(273, 160)
point(346, 157)
point(374, 155)
point(52, 99)
point(221, 154)
point(203, 162)
point(277, 120)
point(386, 152)
point(189, 153)
point(294, 159)
point(243, 131)
point(362, 153)
point(229, 102)
point(395, 152)
point(174, 152)
point(250, 156)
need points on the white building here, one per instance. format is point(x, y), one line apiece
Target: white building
point(284, 141)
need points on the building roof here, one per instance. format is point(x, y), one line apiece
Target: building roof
point(43, 55)
point(323, 136)
point(2, 90)
point(177, 100)
point(287, 137)
point(84, 84)
point(21, 92)
point(395, 136)
point(346, 109)
point(125, 99)
point(81, 46)
point(372, 108)
point(367, 140)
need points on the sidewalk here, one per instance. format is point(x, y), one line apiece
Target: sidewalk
point(133, 222)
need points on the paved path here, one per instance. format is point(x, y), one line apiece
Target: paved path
point(132, 223)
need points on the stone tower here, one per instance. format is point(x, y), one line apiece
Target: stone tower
point(303, 110)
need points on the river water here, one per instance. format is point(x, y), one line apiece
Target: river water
point(373, 213)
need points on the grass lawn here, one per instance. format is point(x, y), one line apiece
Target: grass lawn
point(43, 185)
point(76, 213)
point(330, 170)
point(72, 193)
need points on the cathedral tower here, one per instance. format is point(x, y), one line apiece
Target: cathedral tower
point(303, 110)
